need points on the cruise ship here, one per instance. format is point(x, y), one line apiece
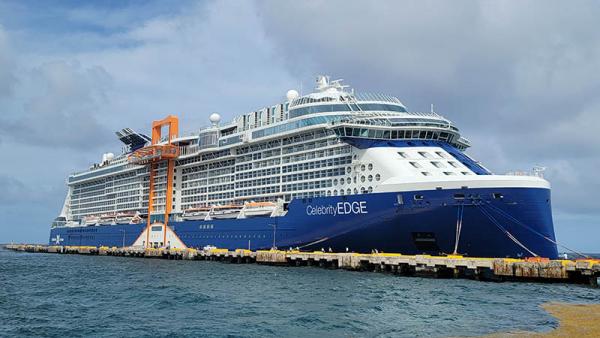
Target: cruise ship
point(332, 170)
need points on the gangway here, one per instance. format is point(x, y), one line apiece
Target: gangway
point(154, 154)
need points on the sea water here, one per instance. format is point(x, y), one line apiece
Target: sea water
point(72, 295)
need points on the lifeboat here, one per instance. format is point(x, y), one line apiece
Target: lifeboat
point(196, 213)
point(254, 209)
point(91, 220)
point(127, 218)
point(107, 219)
point(226, 211)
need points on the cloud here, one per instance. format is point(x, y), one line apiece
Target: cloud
point(520, 79)
point(7, 79)
point(59, 104)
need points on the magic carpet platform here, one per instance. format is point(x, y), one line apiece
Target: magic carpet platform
point(581, 271)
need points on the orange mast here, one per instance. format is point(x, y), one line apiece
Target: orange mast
point(152, 155)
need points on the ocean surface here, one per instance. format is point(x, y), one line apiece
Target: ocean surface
point(70, 295)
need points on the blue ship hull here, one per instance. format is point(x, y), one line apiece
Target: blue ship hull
point(361, 223)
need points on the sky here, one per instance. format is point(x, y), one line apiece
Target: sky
point(521, 79)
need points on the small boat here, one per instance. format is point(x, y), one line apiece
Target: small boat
point(91, 220)
point(107, 219)
point(126, 217)
point(196, 213)
point(253, 209)
point(226, 211)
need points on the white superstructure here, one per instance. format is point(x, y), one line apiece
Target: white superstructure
point(307, 146)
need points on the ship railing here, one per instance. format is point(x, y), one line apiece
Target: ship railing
point(537, 171)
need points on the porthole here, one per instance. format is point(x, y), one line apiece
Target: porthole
point(342, 181)
point(370, 190)
point(355, 191)
point(355, 180)
point(363, 190)
point(370, 178)
point(348, 191)
point(363, 167)
point(342, 192)
point(335, 193)
point(348, 170)
point(370, 166)
point(363, 179)
point(335, 181)
point(377, 177)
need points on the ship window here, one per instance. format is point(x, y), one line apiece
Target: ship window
point(415, 164)
point(371, 133)
point(449, 173)
point(363, 168)
point(454, 164)
point(402, 154)
point(459, 196)
point(348, 170)
point(418, 197)
point(348, 191)
point(355, 191)
point(342, 181)
point(466, 173)
point(438, 164)
point(497, 195)
point(370, 190)
point(426, 173)
point(399, 199)
point(370, 178)
point(362, 179)
point(370, 166)
point(425, 154)
point(377, 177)
point(335, 182)
point(356, 132)
point(335, 193)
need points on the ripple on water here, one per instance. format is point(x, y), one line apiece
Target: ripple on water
point(64, 295)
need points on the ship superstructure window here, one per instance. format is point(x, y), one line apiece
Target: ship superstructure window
point(426, 173)
point(454, 164)
point(418, 197)
point(425, 154)
point(449, 173)
point(438, 164)
point(377, 177)
point(415, 164)
point(403, 154)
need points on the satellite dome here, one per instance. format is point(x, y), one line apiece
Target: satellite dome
point(292, 94)
point(215, 118)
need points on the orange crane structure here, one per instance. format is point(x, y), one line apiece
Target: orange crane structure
point(152, 155)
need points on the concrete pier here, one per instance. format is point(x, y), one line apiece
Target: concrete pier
point(583, 271)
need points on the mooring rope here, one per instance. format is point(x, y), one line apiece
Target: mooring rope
point(506, 232)
point(459, 219)
point(510, 217)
